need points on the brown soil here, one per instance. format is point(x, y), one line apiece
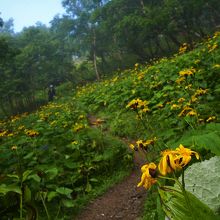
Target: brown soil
point(123, 201)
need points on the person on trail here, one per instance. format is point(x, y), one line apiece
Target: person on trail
point(51, 93)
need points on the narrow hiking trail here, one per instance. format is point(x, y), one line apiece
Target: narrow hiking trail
point(122, 201)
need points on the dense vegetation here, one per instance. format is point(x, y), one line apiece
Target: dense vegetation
point(54, 157)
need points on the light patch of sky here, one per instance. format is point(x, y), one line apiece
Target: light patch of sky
point(27, 12)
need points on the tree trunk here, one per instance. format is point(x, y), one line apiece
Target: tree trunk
point(2, 107)
point(174, 40)
point(94, 56)
point(142, 5)
point(168, 44)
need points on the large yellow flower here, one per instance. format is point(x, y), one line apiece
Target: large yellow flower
point(167, 163)
point(184, 155)
point(175, 159)
point(148, 175)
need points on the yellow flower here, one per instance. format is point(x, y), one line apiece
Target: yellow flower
point(145, 109)
point(200, 92)
point(133, 91)
point(187, 72)
point(174, 106)
point(159, 105)
point(216, 34)
point(185, 109)
point(78, 127)
point(31, 133)
point(133, 147)
point(167, 163)
point(74, 142)
point(181, 100)
point(188, 86)
point(14, 148)
point(10, 134)
point(192, 113)
point(144, 144)
point(216, 66)
point(181, 79)
point(138, 103)
point(148, 175)
point(150, 141)
point(140, 144)
point(53, 123)
point(201, 120)
point(183, 48)
point(115, 79)
point(175, 159)
point(197, 61)
point(133, 104)
point(212, 47)
point(184, 155)
point(211, 118)
point(3, 133)
point(98, 121)
point(21, 127)
point(193, 98)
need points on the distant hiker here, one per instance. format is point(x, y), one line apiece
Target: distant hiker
point(51, 93)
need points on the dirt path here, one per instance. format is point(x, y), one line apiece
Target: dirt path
point(122, 201)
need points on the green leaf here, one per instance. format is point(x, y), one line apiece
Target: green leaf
point(29, 155)
point(177, 207)
point(88, 187)
point(71, 164)
point(68, 203)
point(202, 179)
point(35, 177)
point(93, 180)
point(51, 195)
point(209, 141)
point(13, 176)
point(51, 173)
point(27, 194)
point(64, 191)
point(4, 189)
point(26, 174)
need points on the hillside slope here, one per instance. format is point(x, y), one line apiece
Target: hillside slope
point(173, 96)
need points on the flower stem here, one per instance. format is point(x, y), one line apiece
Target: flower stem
point(45, 207)
point(188, 203)
point(21, 205)
point(183, 180)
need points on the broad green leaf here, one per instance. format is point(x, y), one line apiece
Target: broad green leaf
point(68, 203)
point(51, 173)
point(71, 164)
point(88, 187)
point(26, 174)
point(34, 177)
point(29, 155)
point(209, 141)
point(64, 191)
point(177, 207)
point(202, 179)
point(51, 195)
point(4, 189)
point(93, 180)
